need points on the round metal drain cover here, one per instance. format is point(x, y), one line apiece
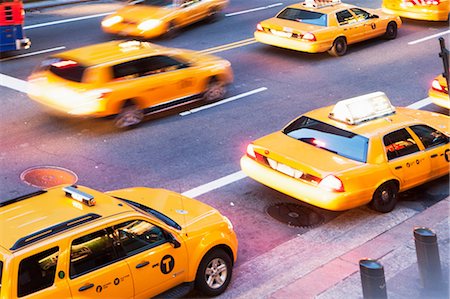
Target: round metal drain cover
point(48, 176)
point(295, 215)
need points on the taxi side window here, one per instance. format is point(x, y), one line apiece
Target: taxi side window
point(37, 272)
point(429, 136)
point(344, 17)
point(399, 143)
point(138, 235)
point(91, 252)
point(360, 14)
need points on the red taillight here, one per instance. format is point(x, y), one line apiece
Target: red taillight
point(64, 64)
point(251, 151)
point(332, 183)
point(422, 2)
point(259, 27)
point(436, 85)
point(309, 36)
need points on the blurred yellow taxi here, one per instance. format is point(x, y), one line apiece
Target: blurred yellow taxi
point(318, 26)
point(438, 92)
point(360, 151)
point(153, 18)
point(76, 242)
point(127, 79)
point(428, 10)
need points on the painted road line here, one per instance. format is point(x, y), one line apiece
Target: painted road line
point(226, 180)
point(428, 37)
point(226, 46)
point(13, 83)
point(233, 98)
point(253, 9)
point(251, 41)
point(34, 53)
point(67, 20)
point(239, 175)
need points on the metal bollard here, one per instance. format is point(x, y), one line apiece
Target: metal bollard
point(428, 260)
point(372, 279)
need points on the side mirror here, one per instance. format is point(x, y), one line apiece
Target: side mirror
point(374, 16)
point(173, 241)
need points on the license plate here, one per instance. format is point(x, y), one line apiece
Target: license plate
point(284, 168)
point(280, 33)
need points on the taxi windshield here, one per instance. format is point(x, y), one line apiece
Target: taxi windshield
point(303, 16)
point(160, 3)
point(328, 137)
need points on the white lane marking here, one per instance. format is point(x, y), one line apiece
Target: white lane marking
point(215, 184)
point(33, 53)
point(239, 175)
point(428, 37)
point(233, 98)
point(253, 9)
point(67, 20)
point(13, 83)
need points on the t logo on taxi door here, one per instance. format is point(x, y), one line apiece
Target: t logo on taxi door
point(167, 264)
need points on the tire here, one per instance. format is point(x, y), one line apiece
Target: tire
point(172, 30)
point(214, 273)
point(339, 47)
point(391, 31)
point(385, 198)
point(214, 15)
point(215, 90)
point(129, 116)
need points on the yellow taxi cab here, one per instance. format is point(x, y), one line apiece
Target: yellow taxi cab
point(438, 92)
point(428, 10)
point(360, 151)
point(318, 26)
point(127, 79)
point(76, 242)
point(153, 18)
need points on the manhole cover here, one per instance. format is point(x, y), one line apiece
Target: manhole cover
point(48, 176)
point(295, 215)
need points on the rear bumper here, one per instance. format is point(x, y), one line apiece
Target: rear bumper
point(439, 98)
point(23, 43)
point(293, 44)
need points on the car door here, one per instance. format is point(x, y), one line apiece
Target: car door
point(97, 268)
point(156, 265)
point(347, 23)
point(405, 159)
point(368, 23)
point(437, 149)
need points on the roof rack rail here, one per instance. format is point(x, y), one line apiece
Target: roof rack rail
point(22, 197)
point(320, 3)
point(52, 230)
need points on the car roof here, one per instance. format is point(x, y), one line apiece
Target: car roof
point(326, 9)
point(42, 210)
point(117, 50)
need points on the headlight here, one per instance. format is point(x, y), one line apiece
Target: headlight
point(111, 21)
point(149, 24)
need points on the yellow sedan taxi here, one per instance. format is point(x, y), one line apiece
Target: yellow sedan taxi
point(153, 18)
point(360, 151)
point(428, 10)
point(438, 92)
point(76, 242)
point(318, 26)
point(127, 79)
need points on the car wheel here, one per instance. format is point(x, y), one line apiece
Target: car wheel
point(214, 273)
point(172, 30)
point(214, 15)
point(385, 198)
point(129, 116)
point(215, 90)
point(339, 47)
point(391, 31)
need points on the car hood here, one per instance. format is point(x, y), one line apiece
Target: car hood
point(189, 213)
point(302, 156)
point(140, 13)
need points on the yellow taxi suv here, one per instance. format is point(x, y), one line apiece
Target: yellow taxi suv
point(317, 26)
point(360, 151)
point(152, 18)
point(127, 79)
point(428, 10)
point(438, 92)
point(76, 242)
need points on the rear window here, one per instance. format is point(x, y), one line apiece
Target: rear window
point(303, 16)
point(64, 68)
point(328, 137)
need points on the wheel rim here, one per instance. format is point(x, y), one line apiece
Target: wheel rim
point(215, 92)
point(391, 30)
point(129, 117)
point(340, 46)
point(385, 196)
point(216, 273)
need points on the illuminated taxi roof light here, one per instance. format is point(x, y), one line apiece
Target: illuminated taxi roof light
point(362, 108)
point(80, 196)
point(133, 45)
point(320, 3)
point(64, 63)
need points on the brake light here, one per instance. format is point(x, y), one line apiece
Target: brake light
point(309, 36)
point(422, 2)
point(332, 183)
point(259, 27)
point(64, 64)
point(251, 151)
point(436, 85)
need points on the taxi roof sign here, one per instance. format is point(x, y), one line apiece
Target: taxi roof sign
point(362, 108)
point(320, 3)
point(79, 195)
